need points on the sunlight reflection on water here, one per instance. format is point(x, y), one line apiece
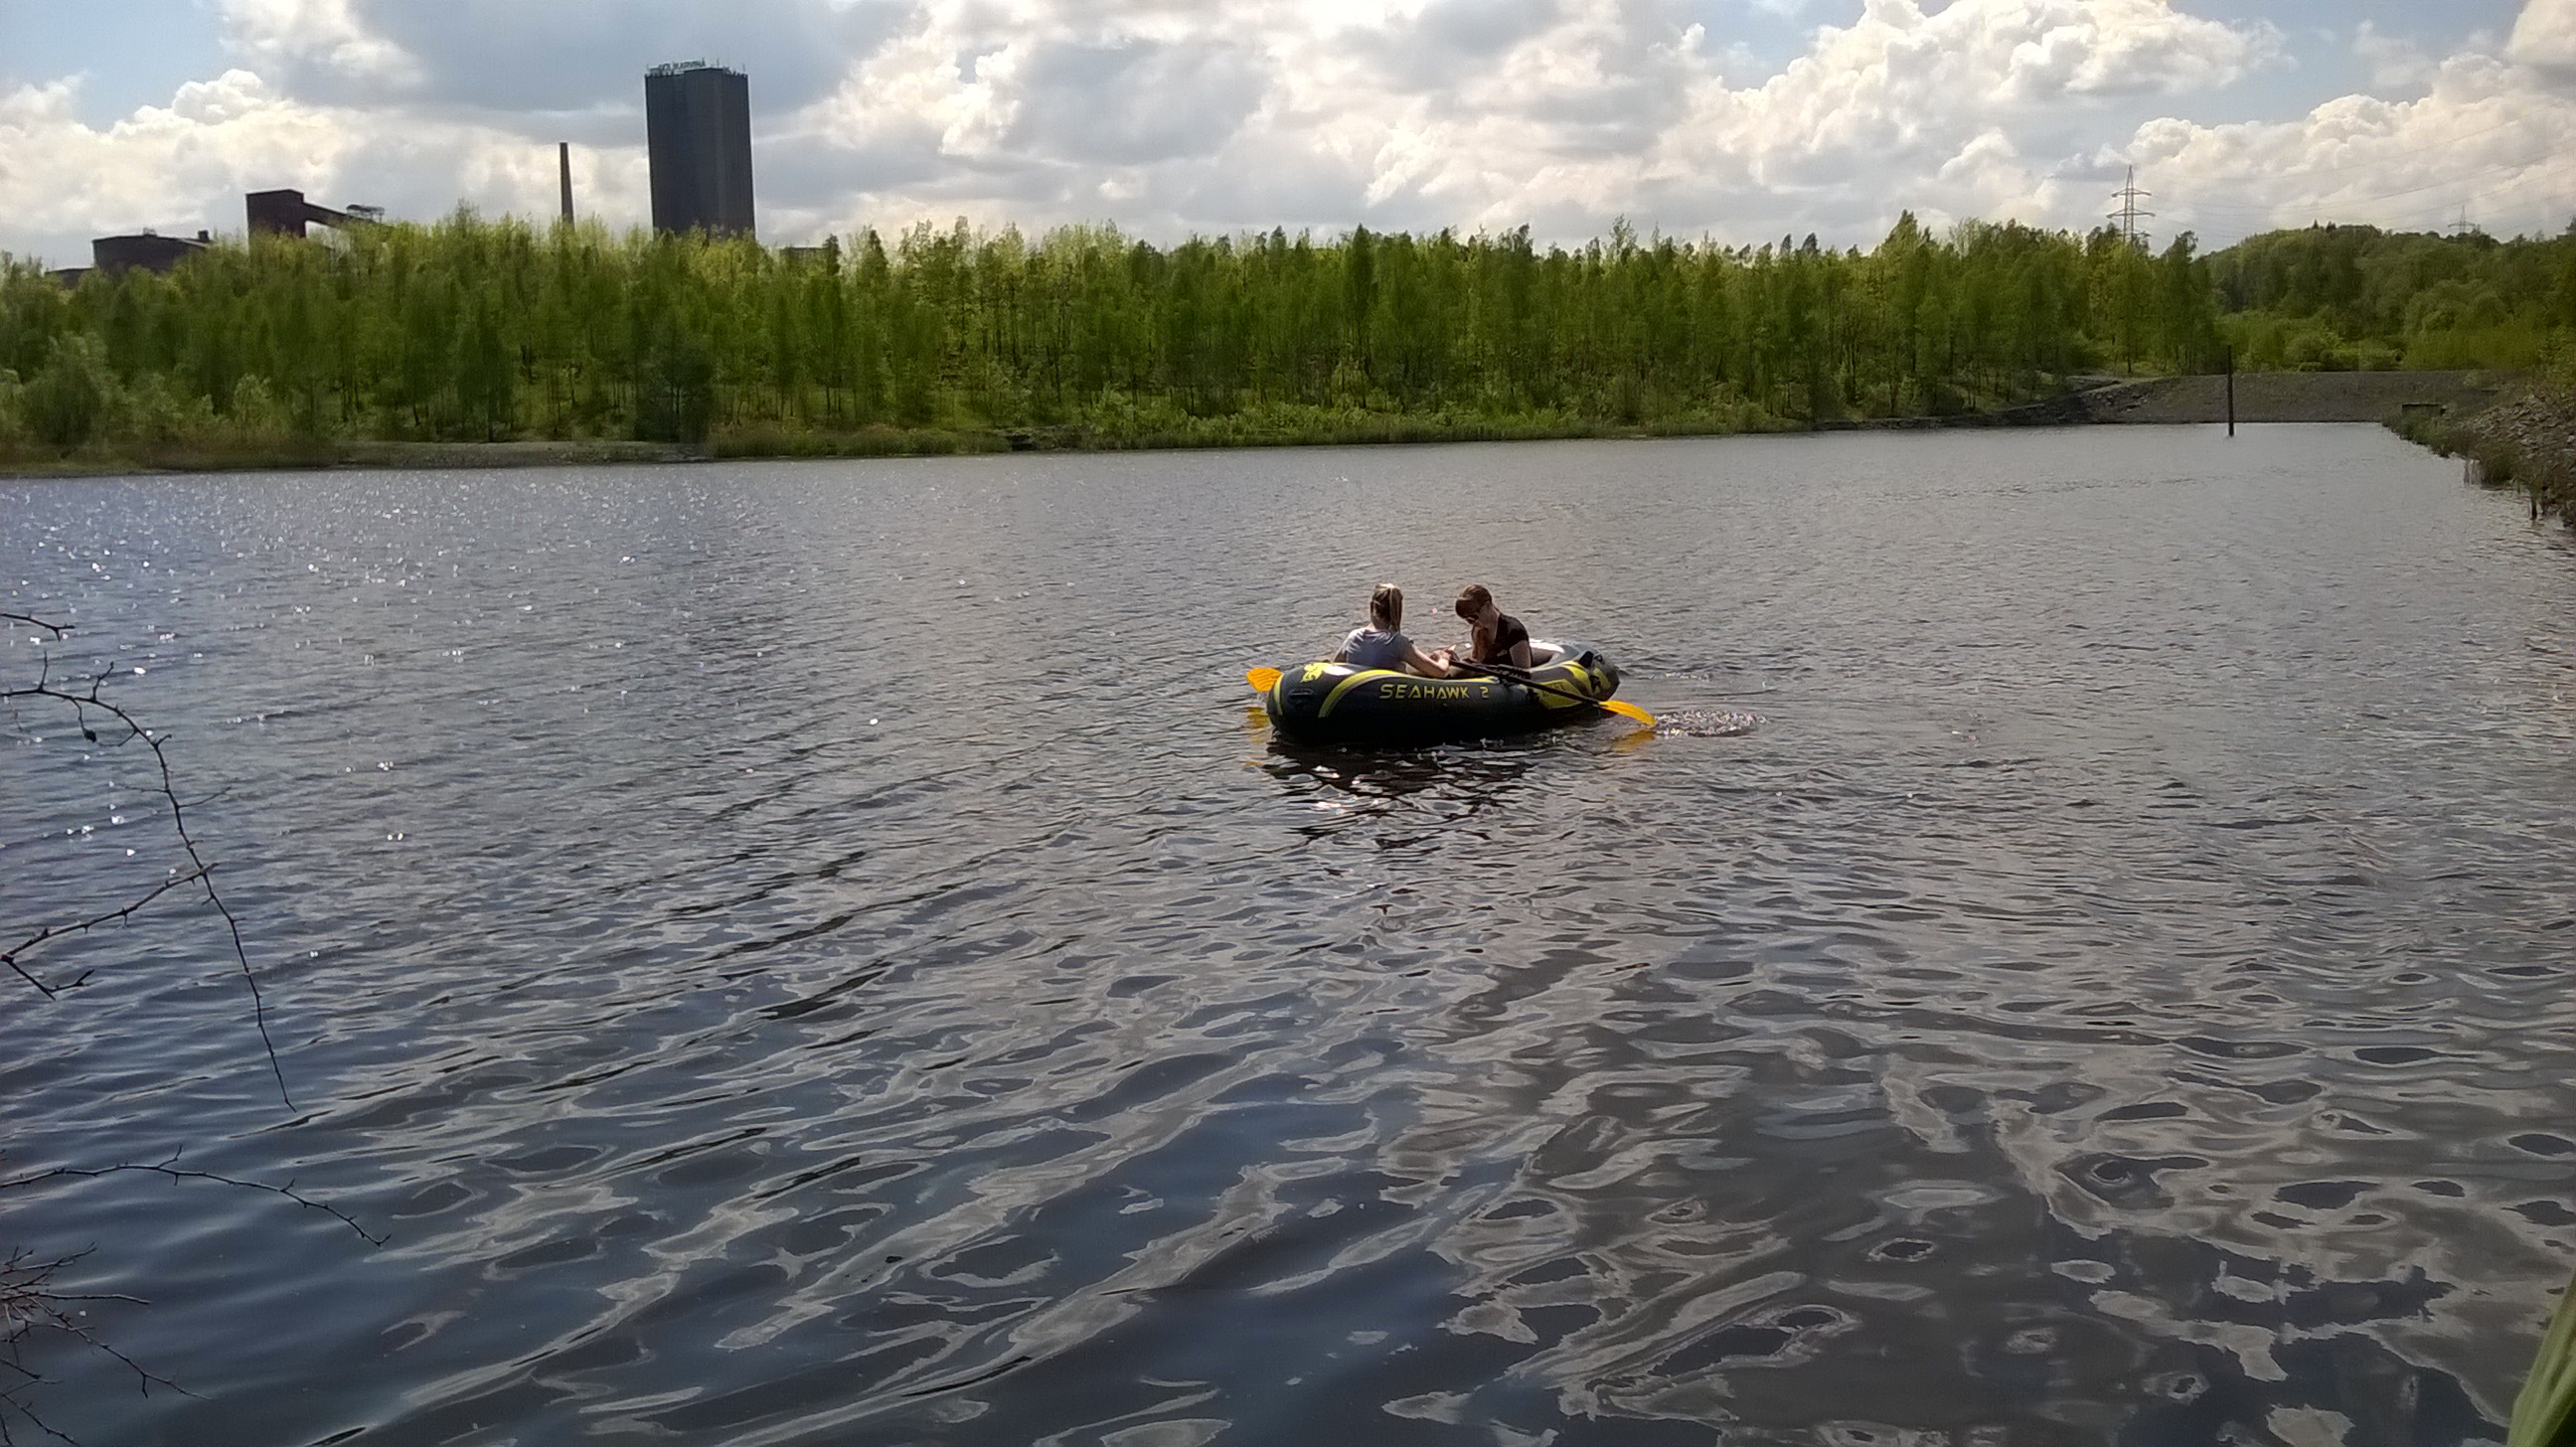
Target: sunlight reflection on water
point(825, 953)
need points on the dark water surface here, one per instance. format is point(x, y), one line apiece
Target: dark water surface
point(825, 954)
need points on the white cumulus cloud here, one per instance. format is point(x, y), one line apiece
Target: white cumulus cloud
point(328, 35)
point(2490, 139)
point(2544, 35)
point(186, 166)
point(1233, 114)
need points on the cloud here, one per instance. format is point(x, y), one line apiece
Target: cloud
point(325, 36)
point(1939, 111)
point(63, 180)
point(563, 55)
point(1129, 101)
point(2544, 35)
point(1224, 115)
point(2395, 64)
point(2489, 137)
point(1564, 113)
point(185, 167)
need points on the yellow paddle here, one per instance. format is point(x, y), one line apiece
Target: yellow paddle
point(1262, 679)
point(1523, 678)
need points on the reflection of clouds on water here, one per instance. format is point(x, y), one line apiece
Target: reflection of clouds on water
point(1732, 1202)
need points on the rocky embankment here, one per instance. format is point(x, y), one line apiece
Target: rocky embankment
point(2389, 397)
point(2526, 440)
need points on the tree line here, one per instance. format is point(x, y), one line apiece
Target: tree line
point(487, 330)
point(2346, 297)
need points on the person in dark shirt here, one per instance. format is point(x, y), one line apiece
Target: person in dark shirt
point(1494, 636)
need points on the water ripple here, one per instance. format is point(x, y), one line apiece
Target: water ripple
point(801, 954)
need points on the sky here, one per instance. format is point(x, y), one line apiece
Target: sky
point(1740, 121)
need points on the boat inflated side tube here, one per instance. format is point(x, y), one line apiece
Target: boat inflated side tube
point(1336, 703)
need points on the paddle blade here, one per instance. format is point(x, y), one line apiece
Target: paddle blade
point(1629, 710)
point(1262, 679)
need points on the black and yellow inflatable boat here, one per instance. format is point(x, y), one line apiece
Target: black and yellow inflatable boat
point(1335, 703)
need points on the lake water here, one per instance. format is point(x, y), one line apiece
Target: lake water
point(830, 953)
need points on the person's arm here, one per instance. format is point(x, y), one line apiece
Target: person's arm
point(1428, 665)
point(1521, 652)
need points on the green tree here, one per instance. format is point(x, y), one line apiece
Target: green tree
point(68, 399)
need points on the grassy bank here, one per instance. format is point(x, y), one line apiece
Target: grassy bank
point(99, 459)
point(1133, 428)
point(2526, 441)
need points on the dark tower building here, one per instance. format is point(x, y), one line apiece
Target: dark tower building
point(697, 124)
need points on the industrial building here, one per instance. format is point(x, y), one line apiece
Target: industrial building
point(697, 127)
point(271, 213)
point(286, 213)
point(146, 251)
point(142, 251)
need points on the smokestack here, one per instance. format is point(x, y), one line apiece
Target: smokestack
point(563, 167)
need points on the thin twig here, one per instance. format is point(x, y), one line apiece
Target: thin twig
point(22, 1410)
point(204, 873)
point(57, 629)
point(165, 1168)
point(10, 956)
point(28, 1306)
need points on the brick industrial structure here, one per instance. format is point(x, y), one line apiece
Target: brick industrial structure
point(697, 126)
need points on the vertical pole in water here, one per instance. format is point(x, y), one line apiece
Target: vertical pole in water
point(563, 169)
point(2231, 391)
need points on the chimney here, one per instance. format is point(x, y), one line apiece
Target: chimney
point(563, 168)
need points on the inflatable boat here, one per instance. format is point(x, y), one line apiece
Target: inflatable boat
point(1335, 703)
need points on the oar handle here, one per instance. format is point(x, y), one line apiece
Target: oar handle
point(1525, 679)
point(1510, 674)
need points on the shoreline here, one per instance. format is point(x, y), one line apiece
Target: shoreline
point(2525, 441)
point(2440, 409)
point(1387, 429)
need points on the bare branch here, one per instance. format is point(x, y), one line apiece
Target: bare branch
point(165, 1168)
point(203, 875)
point(10, 956)
point(19, 1407)
point(29, 1306)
